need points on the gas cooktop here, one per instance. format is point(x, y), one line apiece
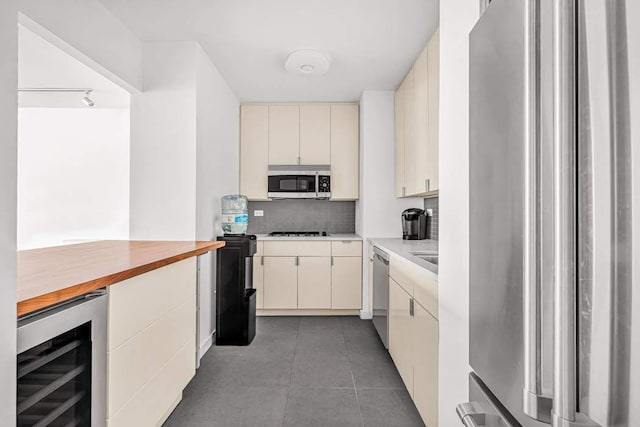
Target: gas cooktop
point(298, 234)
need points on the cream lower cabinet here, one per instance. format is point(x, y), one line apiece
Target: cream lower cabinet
point(314, 282)
point(413, 333)
point(346, 283)
point(304, 277)
point(258, 275)
point(425, 364)
point(400, 332)
point(151, 350)
point(280, 282)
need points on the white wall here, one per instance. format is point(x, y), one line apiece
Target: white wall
point(184, 155)
point(8, 142)
point(90, 33)
point(457, 18)
point(217, 174)
point(163, 144)
point(378, 210)
point(73, 175)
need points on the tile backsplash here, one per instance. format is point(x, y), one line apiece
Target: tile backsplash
point(302, 215)
point(433, 225)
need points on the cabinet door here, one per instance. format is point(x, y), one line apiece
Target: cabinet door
point(422, 158)
point(399, 142)
point(346, 283)
point(315, 134)
point(434, 111)
point(401, 333)
point(410, 142)
point(280, 282)
point(425, 369)
point(345, 156)
point(254, 149)
point(284, 134)
point(258, 280)
point(314, 282)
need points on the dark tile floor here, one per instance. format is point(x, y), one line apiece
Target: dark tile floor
point(299, 371)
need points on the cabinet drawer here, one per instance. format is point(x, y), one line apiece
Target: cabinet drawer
point(297, 248)
point(346, 248)
point(425, 291)
point(402, 272)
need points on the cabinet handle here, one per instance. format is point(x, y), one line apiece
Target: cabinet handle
point(297, 261)
point(299, 159)
point(332, 261)
point(411, 307)
point(427, 185)
point(404, 191)
point(261, 260)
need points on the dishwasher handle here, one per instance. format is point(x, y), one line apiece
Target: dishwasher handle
point(382, 260)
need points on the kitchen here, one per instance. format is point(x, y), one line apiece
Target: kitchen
point(394, 111)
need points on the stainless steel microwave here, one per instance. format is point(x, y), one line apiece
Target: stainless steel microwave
point(299, 182)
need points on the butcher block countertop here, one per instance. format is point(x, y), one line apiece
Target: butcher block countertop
point(48, 276)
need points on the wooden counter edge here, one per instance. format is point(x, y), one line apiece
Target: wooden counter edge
point(42, 301)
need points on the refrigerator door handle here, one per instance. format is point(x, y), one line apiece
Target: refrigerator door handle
point(471, 414)
point(534, 403)
point(565, 352)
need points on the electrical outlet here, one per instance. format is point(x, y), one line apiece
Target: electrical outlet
point(258, 213)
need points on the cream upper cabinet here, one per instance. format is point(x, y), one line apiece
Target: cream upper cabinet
point(410, 141)
point(254, 151)
point(280, 282)
point(346, 283)
point(345, 143)
point(416, 121)
point(315, 134)
point(399, 144)
point(307, 134)
point(425, 364)
point(433, 50)
point(314, 282)
point(284, 134)
point(422, 158)
point(401, 332)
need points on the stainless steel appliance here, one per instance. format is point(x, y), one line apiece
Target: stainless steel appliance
point(381, 294)
point(61, 366)
point(414, 224)
point(551, 195)
point(299, 182)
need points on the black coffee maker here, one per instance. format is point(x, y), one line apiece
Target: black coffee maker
point(414, 224)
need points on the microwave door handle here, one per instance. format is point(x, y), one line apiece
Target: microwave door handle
point(317, 183)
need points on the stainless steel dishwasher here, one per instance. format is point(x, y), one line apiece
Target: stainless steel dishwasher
point(381, 293)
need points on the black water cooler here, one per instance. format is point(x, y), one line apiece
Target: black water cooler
point(236, 298)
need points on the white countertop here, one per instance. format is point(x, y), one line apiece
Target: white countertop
point(403, 248)
point(331, 236)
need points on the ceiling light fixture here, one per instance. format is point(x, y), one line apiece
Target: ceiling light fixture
point(86, 100)
point(307, 62)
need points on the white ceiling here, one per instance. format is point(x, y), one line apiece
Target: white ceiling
point(371, 43)
point(42, 65)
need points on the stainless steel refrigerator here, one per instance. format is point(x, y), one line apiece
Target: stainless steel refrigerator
point(552, 286)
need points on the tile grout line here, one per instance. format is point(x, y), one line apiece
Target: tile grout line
point(286, 403)
point(353, 378)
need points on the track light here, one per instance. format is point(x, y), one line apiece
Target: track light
point(87, 101)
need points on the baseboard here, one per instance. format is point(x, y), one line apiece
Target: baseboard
point(206, 345)
point(301, 312)
point(365, 315)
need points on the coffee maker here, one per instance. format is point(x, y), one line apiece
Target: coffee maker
point(414, 224)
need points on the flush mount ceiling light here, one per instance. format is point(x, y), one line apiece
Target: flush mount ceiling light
point(307, 62)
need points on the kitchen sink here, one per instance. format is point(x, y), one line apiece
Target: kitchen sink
point(430, 257)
